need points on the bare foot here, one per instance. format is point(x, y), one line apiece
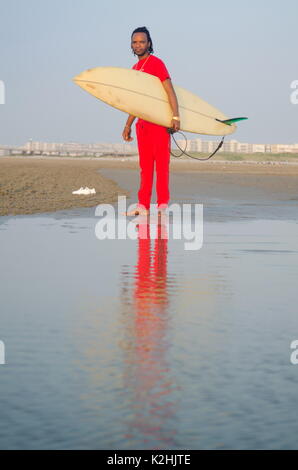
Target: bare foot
point(162, 209)
point(136, 212)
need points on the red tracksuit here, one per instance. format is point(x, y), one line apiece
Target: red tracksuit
point(153, 145)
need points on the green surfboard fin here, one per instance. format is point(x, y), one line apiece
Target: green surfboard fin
point(229, 122)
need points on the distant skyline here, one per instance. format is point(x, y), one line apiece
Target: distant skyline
point(239, 56)
point(197, 144)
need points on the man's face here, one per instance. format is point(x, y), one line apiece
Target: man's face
point(139, 43)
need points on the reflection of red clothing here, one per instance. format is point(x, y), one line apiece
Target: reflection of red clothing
point(153, 144)
point(151, 275)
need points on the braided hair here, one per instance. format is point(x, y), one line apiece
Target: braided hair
point(143, 29)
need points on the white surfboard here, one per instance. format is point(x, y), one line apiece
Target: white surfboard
point(142, 95)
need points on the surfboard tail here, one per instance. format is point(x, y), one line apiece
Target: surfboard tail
point(231, 121)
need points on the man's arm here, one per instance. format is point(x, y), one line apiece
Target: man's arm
point(167, 84)
point(126, 134)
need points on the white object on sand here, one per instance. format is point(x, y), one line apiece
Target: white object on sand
point(84, 191)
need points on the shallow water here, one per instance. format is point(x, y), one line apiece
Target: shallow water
point(136, 344)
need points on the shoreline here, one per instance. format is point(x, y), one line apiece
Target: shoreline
point(135, 158)
point(175, 162)
point(39, 184)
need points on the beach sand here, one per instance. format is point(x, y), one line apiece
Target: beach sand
point(31, 185)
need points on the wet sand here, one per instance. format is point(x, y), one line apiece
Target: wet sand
point(30, 185)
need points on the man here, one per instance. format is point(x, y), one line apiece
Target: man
point(153, 140)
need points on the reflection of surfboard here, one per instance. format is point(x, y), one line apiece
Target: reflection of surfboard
point(142, 95)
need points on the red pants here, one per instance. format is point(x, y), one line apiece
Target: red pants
point(154, 146)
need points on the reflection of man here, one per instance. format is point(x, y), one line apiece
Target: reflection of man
point(148, 375)
point(153, 140)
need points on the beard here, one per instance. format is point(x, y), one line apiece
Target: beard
point(140, 53)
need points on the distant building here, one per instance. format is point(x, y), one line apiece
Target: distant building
point(230, 146)
point(125, 148)
point(281, 148)
point(73, 148)
point(233, 146)
point(258, 148)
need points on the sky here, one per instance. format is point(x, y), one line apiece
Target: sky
point(240, 56)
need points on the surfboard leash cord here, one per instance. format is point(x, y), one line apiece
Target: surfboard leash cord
point(183, 152)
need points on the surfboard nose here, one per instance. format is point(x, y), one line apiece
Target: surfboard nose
point(80, 76)
point(83, 75)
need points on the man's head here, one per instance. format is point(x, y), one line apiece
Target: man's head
point(141, 41)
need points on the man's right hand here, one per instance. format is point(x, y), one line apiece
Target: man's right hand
point(126, 134)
